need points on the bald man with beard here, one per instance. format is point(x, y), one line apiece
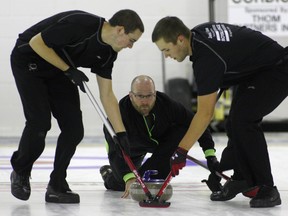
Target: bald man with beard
point(155, 124)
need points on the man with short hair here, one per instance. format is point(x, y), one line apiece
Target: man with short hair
point(226, 55)
point(44, 63)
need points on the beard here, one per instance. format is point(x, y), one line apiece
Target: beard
point(143, 109)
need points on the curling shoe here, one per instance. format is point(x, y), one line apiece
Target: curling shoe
point(66, 196)
point(20, 186)
point(105, 171)
point(230, 189)
point(266, 197)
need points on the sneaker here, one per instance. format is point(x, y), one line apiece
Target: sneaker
point(104, 171)
point(67, 196)
point(266, 197)
point(230, 189)
point(20, 186)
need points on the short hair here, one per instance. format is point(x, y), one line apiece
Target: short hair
point(129, 19)
point(169, 28)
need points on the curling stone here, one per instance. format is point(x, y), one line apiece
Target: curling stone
point(153, 185)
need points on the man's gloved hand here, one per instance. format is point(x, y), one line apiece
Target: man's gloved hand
point(178, 161)
point(77, 77)
point(212, 162)
point(213, 182)
point(123, 142)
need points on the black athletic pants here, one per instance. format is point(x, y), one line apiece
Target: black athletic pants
point(253, 100)
point(44, 92)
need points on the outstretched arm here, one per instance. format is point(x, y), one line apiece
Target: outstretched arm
point(199, 123)
point(201, 120)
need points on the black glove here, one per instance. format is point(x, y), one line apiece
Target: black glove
point(122, 141)
point(178, 161)
point(213, 164)
point(213, 182)
point(77, 77)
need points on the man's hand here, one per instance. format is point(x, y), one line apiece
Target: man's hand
point(77, 77)
point(127, 187)
point(123, 142)
point(178, 161)
point(213, 182)
point(212, 163)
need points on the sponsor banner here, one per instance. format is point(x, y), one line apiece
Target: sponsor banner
point(268, 16)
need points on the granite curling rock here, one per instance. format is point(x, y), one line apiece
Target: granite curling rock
point(153, 185)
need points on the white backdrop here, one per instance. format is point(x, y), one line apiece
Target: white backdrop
point(144, 58)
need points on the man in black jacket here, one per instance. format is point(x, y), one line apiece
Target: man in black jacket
point(155, 124)
point(44, 63)
point(223, 56)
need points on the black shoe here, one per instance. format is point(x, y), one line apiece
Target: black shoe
point(66, 196)
point(20, 186)
point(230, 189)
point(104, 171)
point(213, 182)
point(266, 197)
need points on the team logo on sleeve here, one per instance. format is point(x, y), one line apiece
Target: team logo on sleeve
point(220, 32)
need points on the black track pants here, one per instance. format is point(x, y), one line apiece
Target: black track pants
point(253, 100)
point(43, 93)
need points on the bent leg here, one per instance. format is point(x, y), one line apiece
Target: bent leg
point(252, 101)
point(34, 98)
point(65, 105)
